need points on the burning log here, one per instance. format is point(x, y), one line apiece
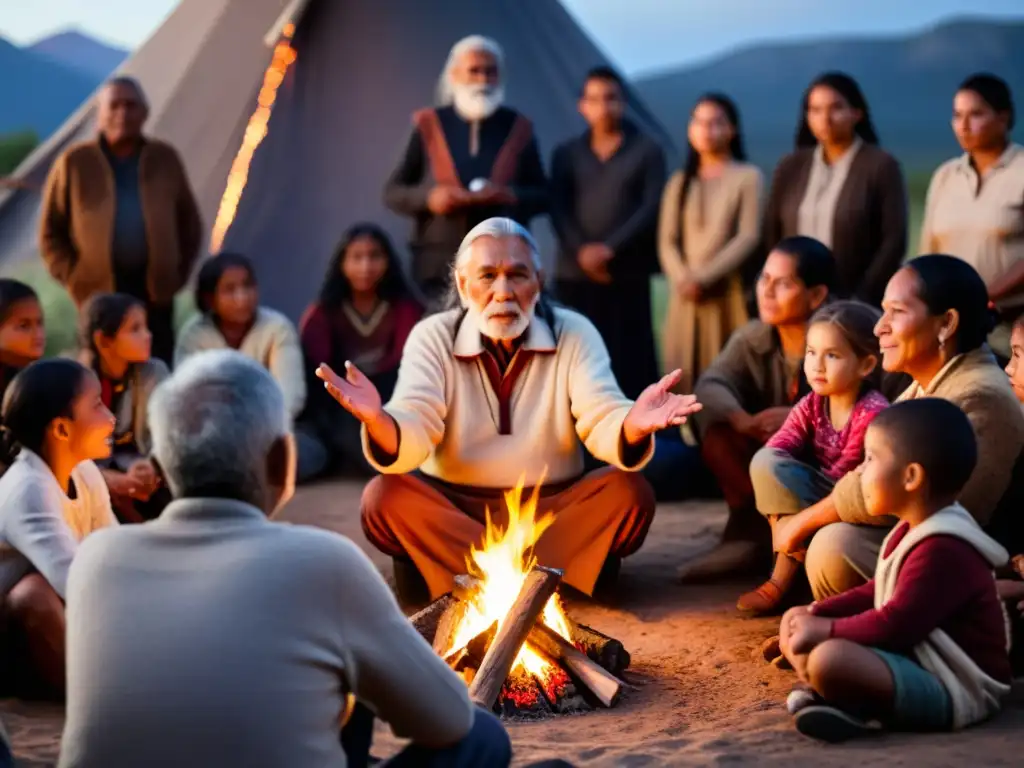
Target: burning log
point(521, 696)
point(537, 589)
point(466, 587)
point(448, 624)
point(604, 686)
point(606, 651)
point(558, 688)
point(426, 621)
point(471, 655)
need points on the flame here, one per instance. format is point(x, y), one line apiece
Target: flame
point(284, 56)
point(502, 563)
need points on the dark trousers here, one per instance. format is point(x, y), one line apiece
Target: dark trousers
point(621, 312)
point(161, 326)
point(486, 744)
point(727, 454)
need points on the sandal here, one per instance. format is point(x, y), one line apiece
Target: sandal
point(764, 600)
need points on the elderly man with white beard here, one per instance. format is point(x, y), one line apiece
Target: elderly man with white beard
point(468, 159)
point(503, 385)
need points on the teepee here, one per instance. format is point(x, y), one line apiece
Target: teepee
point(306, 106)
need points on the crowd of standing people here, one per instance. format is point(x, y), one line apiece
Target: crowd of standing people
point(791, 317)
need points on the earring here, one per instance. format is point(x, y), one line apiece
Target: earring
point(942, 341)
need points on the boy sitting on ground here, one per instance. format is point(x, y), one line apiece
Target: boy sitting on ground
point(922, 646)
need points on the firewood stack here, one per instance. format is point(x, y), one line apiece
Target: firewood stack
point(579, 676)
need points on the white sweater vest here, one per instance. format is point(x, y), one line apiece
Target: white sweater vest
point(974, 694)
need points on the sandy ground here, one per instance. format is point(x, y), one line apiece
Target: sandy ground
point(704, 696)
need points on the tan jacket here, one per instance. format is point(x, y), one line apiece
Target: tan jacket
point(77, 221)
point(975, 382)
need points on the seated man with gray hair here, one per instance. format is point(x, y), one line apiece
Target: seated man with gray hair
point(503, 385)
point(466, 160)
point(213, 636)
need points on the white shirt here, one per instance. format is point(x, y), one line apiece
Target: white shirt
point(40, 527)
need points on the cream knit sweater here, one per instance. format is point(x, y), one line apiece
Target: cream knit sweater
point(447, 412)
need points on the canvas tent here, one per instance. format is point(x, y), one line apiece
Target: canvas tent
point(340, 119)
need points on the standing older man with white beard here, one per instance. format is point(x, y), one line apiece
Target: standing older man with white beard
point(500, 386)
point(468, 159)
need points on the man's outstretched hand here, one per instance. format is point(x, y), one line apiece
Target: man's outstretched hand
point(355, 392)
point(658, 407)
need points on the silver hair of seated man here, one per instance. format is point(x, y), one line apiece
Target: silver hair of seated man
point(213, 423)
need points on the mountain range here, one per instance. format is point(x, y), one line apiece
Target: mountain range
point(909, 82)
point(50, 79)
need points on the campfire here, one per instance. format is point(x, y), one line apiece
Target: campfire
point(505, 630)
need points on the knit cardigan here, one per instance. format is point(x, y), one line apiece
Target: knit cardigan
point(272, 342)
point(975, 695)
point(974, 382)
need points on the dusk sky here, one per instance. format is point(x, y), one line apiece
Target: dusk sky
point(638, 34)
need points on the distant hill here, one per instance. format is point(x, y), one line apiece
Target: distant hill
point(909, 83)
point(38, 93)
point(80, 52)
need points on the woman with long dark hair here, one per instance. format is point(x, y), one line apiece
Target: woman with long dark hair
point(364, 314)
point(709, 226)
point(55, 426)
point(231, 317)
point(838, 186)
point(974, 207)
point(116, 345)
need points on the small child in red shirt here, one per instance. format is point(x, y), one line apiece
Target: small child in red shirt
point(922, 646)
point(821, 440)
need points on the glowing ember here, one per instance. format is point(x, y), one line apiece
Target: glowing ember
point(501, 566)
point(284, 56)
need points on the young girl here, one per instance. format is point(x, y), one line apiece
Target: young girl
point(364, 315)
point(821, 440)
point(22, 333)
point(116, 344)
point(230, 317)
point(54, 426)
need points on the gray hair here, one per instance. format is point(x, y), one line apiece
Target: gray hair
point(445, 93)
point(497, 227)
point(124, 81)
point(213, 423)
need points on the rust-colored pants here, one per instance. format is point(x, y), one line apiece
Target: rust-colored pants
point(605, 512)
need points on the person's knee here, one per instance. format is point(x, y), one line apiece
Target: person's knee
point(382, 496)
point(491, 738)
point(633, 492)
point(828, 561)
point(33, 601)
point(829, 665)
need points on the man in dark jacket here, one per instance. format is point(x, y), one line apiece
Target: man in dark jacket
point(605, 196)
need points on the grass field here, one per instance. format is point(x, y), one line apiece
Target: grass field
point(61, 320)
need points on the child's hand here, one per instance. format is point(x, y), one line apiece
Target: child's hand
point(145, 477)
point(807, 632)
point(789, 539)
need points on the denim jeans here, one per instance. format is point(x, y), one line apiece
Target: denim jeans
point(487, 745)
point(841, 555)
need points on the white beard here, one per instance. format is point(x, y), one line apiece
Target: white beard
point(477, 102)
point(497, 331)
